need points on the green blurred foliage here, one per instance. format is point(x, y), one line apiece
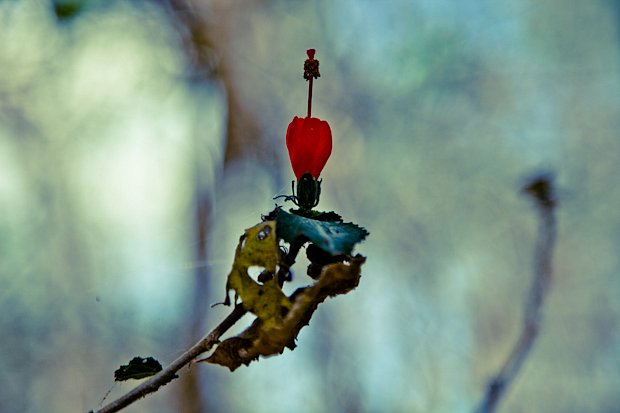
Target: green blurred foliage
point(67, 9)
point(438, 110)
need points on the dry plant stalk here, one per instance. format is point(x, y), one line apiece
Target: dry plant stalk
point(541, 189)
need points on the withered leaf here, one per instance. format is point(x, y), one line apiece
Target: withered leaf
point(138, 368)
point(265, 339)
point(258, 247)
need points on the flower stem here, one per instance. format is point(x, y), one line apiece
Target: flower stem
point(310, 97)
point(311, 72)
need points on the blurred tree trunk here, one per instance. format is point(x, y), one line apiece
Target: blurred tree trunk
point(205, 36)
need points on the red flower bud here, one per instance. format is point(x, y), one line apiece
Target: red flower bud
point(309, 143)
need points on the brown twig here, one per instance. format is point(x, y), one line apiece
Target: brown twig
point(169, 373)
point(541, 190)
point(202, 346)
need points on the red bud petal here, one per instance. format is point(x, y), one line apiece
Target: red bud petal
point(309, 143)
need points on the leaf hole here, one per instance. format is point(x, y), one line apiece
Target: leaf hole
point(264, 233)
point(259, 274)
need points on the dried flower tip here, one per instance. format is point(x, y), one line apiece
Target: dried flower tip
point(541, 188)
point(311, 66)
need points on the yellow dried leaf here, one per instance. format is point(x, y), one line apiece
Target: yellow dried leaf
point(258, 247)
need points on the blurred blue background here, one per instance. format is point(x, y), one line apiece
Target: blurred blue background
point(138, 139)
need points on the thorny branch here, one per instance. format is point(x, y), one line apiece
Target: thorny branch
point(265, 339)
point(540, 188)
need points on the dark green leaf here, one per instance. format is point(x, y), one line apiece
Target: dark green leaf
point(332, 235)
point(138, 368)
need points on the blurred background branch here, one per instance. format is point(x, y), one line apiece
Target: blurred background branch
point(540, 189)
